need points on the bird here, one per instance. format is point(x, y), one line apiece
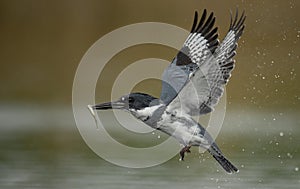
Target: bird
point(192, 85)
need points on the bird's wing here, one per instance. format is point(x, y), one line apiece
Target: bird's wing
point(206, 84)
point(200, 44)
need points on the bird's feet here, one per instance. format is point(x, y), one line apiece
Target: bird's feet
point(182, 152)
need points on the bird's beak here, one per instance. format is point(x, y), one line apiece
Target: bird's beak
point(109, 105)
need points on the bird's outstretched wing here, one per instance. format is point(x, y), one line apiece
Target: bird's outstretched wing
point(205, 86)
point(200, 44)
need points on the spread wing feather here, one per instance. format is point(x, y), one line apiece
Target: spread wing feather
point(205, 84)
point(199, 45)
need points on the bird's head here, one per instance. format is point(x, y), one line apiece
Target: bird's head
point(130, 102)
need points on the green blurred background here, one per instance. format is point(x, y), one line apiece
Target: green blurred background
point(42, 43)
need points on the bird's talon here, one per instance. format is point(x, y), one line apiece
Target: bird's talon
point(183, 150)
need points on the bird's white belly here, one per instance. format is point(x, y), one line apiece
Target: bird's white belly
point(186, 131)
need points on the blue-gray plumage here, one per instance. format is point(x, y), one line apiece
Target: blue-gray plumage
point(191, 85)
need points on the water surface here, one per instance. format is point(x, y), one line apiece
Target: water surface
point(265, 150)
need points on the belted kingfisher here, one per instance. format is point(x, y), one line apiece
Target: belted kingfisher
point(191, 85)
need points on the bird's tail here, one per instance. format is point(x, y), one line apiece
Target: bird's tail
point(225, 163)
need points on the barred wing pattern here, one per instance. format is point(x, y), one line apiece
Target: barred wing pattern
point(206, 84)
point(199, 45)
point(224, 58)
point(202, 41)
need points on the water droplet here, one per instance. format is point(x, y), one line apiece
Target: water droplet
point(281, 134)
point(296, 168)
point(289, 155)
point(158, 136)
